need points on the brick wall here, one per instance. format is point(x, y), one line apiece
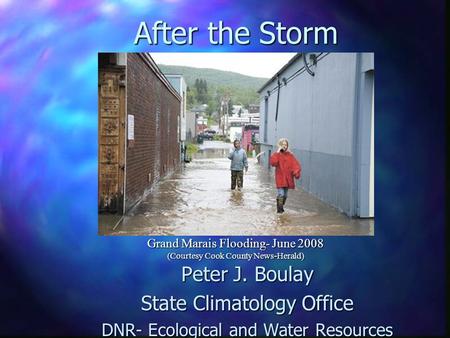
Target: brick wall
point(156, 148)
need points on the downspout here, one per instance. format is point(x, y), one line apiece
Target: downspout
point(354, 196)
point(310, 72)
point(125, 137)
point(278, 98)
point(276, 110)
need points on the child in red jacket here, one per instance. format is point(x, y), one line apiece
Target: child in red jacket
point(286, 168)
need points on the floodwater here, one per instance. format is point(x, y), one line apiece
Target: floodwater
point(197, 200)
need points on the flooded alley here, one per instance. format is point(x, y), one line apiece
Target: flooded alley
point(197, 200)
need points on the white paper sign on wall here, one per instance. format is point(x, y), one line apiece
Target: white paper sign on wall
point(130, 127)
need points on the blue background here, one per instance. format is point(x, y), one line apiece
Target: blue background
point(59, 277)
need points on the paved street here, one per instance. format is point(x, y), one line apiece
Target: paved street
point(197, 200)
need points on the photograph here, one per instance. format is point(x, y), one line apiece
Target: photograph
point(211, 169)
point(236, 144)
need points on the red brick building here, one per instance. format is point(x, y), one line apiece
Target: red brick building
point(138, 129)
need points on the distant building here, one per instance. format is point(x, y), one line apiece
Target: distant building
point(235, 122)
point(253, 109)
point(191, 125)
point(324, 104)
point(250, 135)
point(138, 115)
point(200, 109)
point(238, 109)
point(202, 124)
point(235, 133)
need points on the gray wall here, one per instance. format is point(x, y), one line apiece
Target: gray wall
point(178, 83)
point(190, 125)
point(317, 115)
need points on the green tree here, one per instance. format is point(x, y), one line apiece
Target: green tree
point(201, 87)
point(212, 106)
point(230, 106)
point(190, 98)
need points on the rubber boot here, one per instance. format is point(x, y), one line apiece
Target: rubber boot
point(284, 200)
point(280, 205)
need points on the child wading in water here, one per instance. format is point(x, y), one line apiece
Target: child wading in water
point(239, 162)
point(286, 168)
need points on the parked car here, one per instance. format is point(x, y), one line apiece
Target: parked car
point(209, 134)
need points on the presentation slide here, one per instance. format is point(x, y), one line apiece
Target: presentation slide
point(223, 168)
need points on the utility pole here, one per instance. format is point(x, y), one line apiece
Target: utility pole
point(224, 119)
point(225, 100)
point(220, 114)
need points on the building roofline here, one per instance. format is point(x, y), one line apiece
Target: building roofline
point(178, 77)
point(287, 65)
point(153, 66)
